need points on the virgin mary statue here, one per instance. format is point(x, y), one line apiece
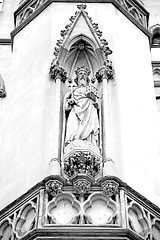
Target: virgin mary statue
point(81, 106)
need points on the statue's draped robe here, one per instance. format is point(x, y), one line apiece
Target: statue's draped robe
point(82, 122)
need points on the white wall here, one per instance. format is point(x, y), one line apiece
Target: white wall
point(7, 17)
point(136, 149)
point(27, 121)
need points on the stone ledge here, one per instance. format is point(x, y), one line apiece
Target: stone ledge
point(5, 41)
point(74, 232)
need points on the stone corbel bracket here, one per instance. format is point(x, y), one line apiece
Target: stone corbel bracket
point(54, 188)
point(82, 184)
point(110, 188)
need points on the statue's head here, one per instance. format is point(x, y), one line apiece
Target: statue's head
point(82, 74)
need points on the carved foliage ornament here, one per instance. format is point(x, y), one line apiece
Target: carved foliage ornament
point(82, 162)
point(54, 188)
point(105, 72)
point(110, 188)
point(57, 72)
point(82, 186)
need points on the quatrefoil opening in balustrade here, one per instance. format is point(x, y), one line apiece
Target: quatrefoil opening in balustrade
point(63, 209)
point(97, 209)
point(156, 230)
point(137, 220)
point(6, 230)
point(26, 220)
point(100, 209)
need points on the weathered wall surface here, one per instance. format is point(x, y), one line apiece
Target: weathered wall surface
point(28, 116)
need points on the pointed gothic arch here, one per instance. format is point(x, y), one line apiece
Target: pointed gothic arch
point(81, 43)
point(80, 50)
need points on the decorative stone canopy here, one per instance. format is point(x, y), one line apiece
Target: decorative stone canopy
point(81, 208)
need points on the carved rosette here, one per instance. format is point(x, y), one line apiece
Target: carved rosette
point(57, 72)
point(54, 188)
point(110, 188)
point(81, 162)
point(105, 72)
point(81, 186)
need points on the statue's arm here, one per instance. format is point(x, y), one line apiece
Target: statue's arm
point(69, 102)
point(96, 103)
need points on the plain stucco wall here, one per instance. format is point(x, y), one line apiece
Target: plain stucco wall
point(28, 116)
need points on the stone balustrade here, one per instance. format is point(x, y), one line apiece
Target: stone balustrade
point(80, 207)
point(132, 8)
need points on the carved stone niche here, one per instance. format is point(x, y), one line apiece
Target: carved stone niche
point(82, 160)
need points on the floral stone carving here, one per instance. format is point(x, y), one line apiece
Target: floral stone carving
point(57, 72)
point(82, 186)
point(81, 162)
point(54, 188)
point(105, 72)
point(110, 188)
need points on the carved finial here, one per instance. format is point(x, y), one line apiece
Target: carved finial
point(81, 7)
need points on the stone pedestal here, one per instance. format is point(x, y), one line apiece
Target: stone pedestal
point(81, 157)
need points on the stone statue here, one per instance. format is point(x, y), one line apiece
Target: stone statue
point(81, 106)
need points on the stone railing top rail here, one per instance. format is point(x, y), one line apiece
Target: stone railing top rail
point(94, 184)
